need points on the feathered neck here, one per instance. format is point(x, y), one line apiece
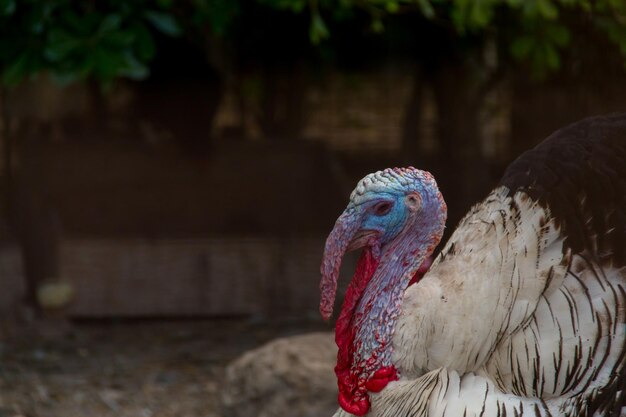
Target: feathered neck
point(372, 305)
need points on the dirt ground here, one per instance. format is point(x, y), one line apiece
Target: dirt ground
point(137, 368)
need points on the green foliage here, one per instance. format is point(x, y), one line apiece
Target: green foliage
point(472, 14)
point(296, 6)
point(534, 31)
point(77, 40)
point(107, 39)
point(165, 23)
point(540, 47)
point(318, 31)
point(218, 15)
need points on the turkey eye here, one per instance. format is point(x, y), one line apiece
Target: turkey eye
point(383, 208)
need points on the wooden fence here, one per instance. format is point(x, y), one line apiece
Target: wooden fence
point(269, 277)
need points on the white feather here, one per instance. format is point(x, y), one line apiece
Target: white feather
point(491, 327)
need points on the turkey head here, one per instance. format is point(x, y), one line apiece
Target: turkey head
point(397, 216)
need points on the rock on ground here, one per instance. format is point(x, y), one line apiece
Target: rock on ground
point(290, 376)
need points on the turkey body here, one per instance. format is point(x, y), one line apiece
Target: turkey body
point(523, 313)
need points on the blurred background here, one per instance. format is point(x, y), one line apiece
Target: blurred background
point(169, 169)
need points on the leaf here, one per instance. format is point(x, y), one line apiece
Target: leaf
point(295, 6)
point(427, 9)
point(85, 67)
point(553, 60)
point(298, 6)
point(480, 15)
point(219, 14)
point(585, 5)
point(110, 23)
point(60, 45)
point(558, 34)
point(164, 23)
point(522, 47)
point(392, 7)
point(547, 9)
point(318, 30)
point(7, 7)
point(133, 68)
point(377, 26)
point(165, 4)
point(14, 73)
point(25, 64)
point(38, 17)
point(120, 39)
point(144, 43)
point(514, 3)
point(472, 14)
point(86, 24)
point(106, 64)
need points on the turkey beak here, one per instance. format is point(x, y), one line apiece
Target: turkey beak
point(342, 238)
point(361, 239)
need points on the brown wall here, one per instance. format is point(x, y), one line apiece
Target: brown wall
point(143, 226)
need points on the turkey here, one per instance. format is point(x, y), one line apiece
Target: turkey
point(523, 313)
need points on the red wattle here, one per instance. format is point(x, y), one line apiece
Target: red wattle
point(352, 391)
point(352, 406)
point(381, 378)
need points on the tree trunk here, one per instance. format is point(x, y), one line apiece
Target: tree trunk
point(7, 147)
point(283, 103)
point(412, 116)
point(33, 221)
point(464, 175)
point(38, 231)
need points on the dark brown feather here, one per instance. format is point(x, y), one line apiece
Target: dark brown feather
point(579, 172)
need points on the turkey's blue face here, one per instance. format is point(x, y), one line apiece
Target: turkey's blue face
point(384, 215)
point(397, 216)
point(382, 207)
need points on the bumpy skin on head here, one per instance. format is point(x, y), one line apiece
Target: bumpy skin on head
point(400, 181)
point(398, 215)
point(392, 179)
